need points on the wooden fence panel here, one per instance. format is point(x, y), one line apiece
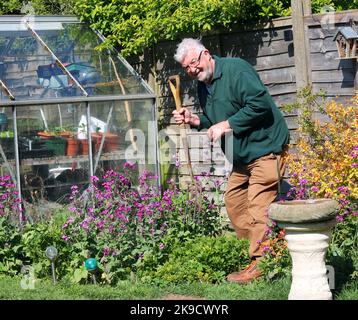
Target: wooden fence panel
point(271, 52)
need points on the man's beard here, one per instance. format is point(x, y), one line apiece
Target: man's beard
point(205, 75)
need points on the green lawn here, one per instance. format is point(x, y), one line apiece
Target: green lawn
point(10, 289)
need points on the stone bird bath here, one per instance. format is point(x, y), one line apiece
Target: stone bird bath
point(308, 225)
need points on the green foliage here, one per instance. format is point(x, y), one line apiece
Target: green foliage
point(134, 25)
point(39, 7)
point(121, 225)
point(10, 7)
point(308, 102)
point(10, 248)
point(203, 259)
point(336, 5)
point(138, 24)
point(26, 246)
point(60, 7)
point(344, 245)
point(276, 262)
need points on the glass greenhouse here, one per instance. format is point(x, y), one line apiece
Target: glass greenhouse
point(67, 110)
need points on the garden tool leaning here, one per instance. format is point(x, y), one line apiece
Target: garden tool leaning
point(174, 83)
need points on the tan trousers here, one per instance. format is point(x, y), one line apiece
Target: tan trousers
point(251, 189)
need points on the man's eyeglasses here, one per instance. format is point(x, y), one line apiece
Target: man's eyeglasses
point(194, 63)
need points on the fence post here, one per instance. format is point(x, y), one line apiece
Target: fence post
point(300, 8)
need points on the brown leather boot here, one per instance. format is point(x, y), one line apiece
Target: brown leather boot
point(246, 275)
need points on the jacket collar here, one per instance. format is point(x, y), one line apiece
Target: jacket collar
point(218, 68)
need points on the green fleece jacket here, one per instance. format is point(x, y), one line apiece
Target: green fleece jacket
point(238, 95)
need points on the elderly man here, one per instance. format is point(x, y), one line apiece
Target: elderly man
point(233, 98)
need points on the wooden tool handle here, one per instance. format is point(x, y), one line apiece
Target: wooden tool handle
point(174, 83)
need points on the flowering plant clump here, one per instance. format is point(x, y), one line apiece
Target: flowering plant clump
point(326, 164)
point(10, 261)
point(10, 201)
point(276, 260)
point(119, 224)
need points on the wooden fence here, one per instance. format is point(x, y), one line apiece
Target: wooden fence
point(271, 50)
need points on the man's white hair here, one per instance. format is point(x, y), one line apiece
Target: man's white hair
point(187, 44)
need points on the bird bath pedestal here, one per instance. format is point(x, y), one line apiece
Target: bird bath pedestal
point(308, 225)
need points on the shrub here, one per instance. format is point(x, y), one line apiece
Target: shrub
point(276, 262)
point(203, 259)
point(119, 225)
point(10, 237)
point(136, 25)
point(25, 243)
point(325, 164)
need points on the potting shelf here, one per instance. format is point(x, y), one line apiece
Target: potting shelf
point(118, 155)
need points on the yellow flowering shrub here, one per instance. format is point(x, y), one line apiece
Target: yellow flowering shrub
point(326, 161)
point(323, 163)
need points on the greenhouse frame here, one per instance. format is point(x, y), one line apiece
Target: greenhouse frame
point(69, 110)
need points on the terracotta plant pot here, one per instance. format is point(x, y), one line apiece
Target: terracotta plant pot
point(72, 147)
point(66, 134)
point(96, 141)
point(112, 142)
point(46, 134)
point(83, 147)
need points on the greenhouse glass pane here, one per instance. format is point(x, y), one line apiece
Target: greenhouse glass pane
point(7, 146)
point(52, 159)
point(130, 136)
point(29, 71)
point(99, 72)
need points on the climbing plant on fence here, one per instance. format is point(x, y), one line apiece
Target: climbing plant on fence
point(133, 25)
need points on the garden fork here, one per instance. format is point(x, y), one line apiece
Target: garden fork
point(174, 83)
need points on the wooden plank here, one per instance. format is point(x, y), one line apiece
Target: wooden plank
point(168, 102)
point(283, 99)
point(277, 76)
point(187, 87)
point(292, 122)
point(329, 61)
point(281, 60)
point(272, 62)
point(317, 20)
point(300, 44)
point(214, 169)
point(254, 45)
point(335, 89)
point(258, 35)
point(345, 75)
point(279, 89)
point(322, 45)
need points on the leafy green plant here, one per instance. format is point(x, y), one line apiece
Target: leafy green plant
point(325, 164)
point(276, 262)
point(10, 6)
point(135, 25)
point(203, 259)
point(119, 225)
point(37, 7)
